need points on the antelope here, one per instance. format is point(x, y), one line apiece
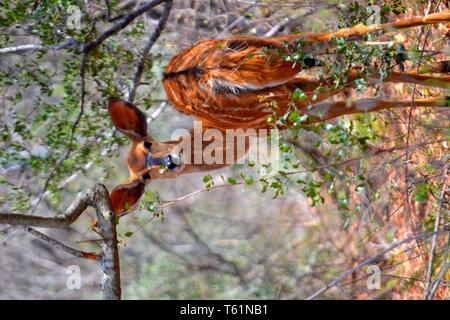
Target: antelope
point(233, 84)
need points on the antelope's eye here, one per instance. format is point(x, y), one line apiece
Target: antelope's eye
point(147, 145)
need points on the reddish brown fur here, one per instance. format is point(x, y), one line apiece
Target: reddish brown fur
point(239, 83)
point(257, 65)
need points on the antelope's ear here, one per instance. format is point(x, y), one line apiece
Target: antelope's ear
point(127, 118)
point(124, 197)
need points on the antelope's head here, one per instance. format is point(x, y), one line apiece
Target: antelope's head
point(147, 158)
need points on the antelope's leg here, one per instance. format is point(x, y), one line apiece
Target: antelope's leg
point(309, 84)
point(329, 110)
point(412, 78)
point(404, 77)
point(442, 67)
point(360, 29)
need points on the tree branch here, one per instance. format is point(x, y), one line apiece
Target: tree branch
point(371, 259)
point(151, 41)
point(218, 256)
point(86, 46)
point(91, 45)
point(122, 6)
point(38, 47)
point(433, 245)
point(109, 263)
point(72, 131)
point(59, 245)
point(375, 152)
point(98, 198)
point(125, 21)
point(82, 201)
point(409, 216)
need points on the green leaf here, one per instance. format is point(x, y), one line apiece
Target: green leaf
point(421, 192)
point(249, 181)
point(208, 180)
point(298, 94)
point(293, 116)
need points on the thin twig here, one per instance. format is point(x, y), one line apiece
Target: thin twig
point(219, 257)
point(241, 17)
point(151, 41)
point(441, 275)
point(55, 243)
point(434, 239)
point(167, 203)
point(109, 17)
point(286, 20)
point(97, 197)
point(413, 95)
point(124, 21)
point(371, 259)
point(38, 47)
point(72, 131)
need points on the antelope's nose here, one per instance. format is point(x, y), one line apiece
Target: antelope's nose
point(170, 164)
point(176, 159)
point(169, 161)
point(173, 161)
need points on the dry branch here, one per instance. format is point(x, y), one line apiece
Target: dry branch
point(151, 41)
point(371, 259)
point(98, 198)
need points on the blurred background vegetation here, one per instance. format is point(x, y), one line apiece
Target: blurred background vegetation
point(368, 180)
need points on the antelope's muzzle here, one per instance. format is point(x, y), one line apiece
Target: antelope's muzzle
point(169, 161)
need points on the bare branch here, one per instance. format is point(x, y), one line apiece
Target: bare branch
point(109, 263)
point(151, 41)
point(286, 20)
point(434, 239)
point(72, 131)
point(38, 47)
point(125, 21)
point(62, 246)
point(441, 275)
point(410, 110)
point(97, 197)
point(371, 259)
point(218, 256)
point(122, 6)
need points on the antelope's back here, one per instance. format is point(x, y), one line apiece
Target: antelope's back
point(230, 83)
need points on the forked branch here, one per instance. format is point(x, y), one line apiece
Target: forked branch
point(98, 198)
